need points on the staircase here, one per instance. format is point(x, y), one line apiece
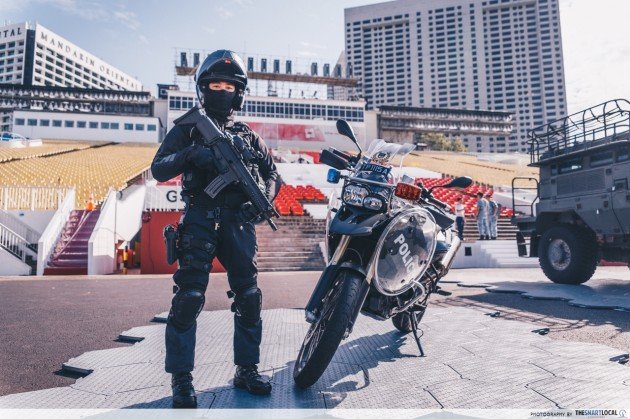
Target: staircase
point(70, 256)
point(505, 229)
point(503, 254)
point(293, 247)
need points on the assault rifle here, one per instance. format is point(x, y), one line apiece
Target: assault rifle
point(227, 151)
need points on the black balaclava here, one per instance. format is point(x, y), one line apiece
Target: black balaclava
point(218, 103)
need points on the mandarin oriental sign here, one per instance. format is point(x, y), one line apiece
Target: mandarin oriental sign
point(52, 41)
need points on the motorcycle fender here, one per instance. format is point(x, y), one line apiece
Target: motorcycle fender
point(363, 292)
point(323, 285)
point(347, 222)
point(326, 281)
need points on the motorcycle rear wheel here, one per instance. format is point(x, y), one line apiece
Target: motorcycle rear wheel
point(325, 335)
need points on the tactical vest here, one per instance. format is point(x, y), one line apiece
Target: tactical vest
point(194, 180)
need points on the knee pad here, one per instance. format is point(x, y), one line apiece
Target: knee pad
point(248, 304)
point(185, 308)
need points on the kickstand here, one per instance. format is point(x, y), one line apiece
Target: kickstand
point(414, 329)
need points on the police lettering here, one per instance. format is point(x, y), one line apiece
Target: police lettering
point(404, 251)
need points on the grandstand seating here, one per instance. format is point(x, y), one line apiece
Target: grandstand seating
point(90, 170)
point(48, 148)
point(288, 200)
point(460, 164)
point(469, 197)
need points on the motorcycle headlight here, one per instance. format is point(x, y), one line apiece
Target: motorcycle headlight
point(354, 195)
point(372, 203)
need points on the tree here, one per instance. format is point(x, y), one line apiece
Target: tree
point(438, 142)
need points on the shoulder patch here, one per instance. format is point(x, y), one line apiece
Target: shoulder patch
point(241, 127)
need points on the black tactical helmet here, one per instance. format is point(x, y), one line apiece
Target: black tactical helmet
point(222, 65)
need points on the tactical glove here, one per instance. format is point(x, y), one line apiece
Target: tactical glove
point(249, 213)
point(200, 156)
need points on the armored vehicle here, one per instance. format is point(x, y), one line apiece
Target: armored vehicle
point(581, 213)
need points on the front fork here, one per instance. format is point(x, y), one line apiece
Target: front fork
point(325, 281)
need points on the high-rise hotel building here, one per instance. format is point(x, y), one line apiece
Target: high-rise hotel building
point(499, 55)
point(32, 55)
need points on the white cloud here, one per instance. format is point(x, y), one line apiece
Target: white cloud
point(127, 18)
point(224, 13)
point(143, 39)
point(85, 9)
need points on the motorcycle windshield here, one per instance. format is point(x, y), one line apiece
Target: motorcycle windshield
point(381, 154)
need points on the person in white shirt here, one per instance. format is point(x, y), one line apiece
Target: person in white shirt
point(460, 217)
point(482, 217)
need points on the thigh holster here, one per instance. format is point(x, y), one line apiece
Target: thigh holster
point(196, 253)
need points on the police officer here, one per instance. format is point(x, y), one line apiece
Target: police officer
point(221, 227)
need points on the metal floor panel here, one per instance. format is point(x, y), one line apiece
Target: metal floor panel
point(611, 294)
point(150, 398)
point(91, 361)
point(124, 378)
point(52, 398)
point(568, 392)
point(484, 395)
point(472, 361)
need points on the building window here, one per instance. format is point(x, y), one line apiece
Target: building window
point(104, 125)
point(139, 127)
point(129, 127)
point(69, 124)
point(114, 125)
point(32, 122)
point(44, 122)
point(93, 124)
point(56, 123)
point(151, 127)
point(19, 121)
point(81, 124)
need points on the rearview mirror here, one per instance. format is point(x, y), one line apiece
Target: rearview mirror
point(459, 182)
point(344, 128)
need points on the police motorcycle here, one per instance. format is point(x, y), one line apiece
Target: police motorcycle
point(388, 243)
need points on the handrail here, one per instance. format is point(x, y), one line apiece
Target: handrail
point(531, 205)
point(19, 227)
point(13, 243)
point(51, 234)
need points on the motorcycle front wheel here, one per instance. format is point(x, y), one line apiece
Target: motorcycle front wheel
point(325, 334)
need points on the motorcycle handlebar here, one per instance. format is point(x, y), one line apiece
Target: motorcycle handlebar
point(341, 154)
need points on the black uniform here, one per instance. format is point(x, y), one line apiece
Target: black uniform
point(208, 228)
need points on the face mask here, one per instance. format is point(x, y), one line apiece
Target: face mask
point(218, 102)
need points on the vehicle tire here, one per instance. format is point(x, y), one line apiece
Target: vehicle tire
point(325, 335)
point(568, 254)
point(402, 321)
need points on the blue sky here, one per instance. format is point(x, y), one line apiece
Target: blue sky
point(139, 36)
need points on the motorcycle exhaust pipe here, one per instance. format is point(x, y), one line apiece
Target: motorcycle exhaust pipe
point(447, 260)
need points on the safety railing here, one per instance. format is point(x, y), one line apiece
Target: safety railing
point(14, 243)
point(18, 226)
point(31, 198)
point(51, 235)
point(605, 123)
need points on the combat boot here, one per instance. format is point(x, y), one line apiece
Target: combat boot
point(247, 377)
point(183, 391)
